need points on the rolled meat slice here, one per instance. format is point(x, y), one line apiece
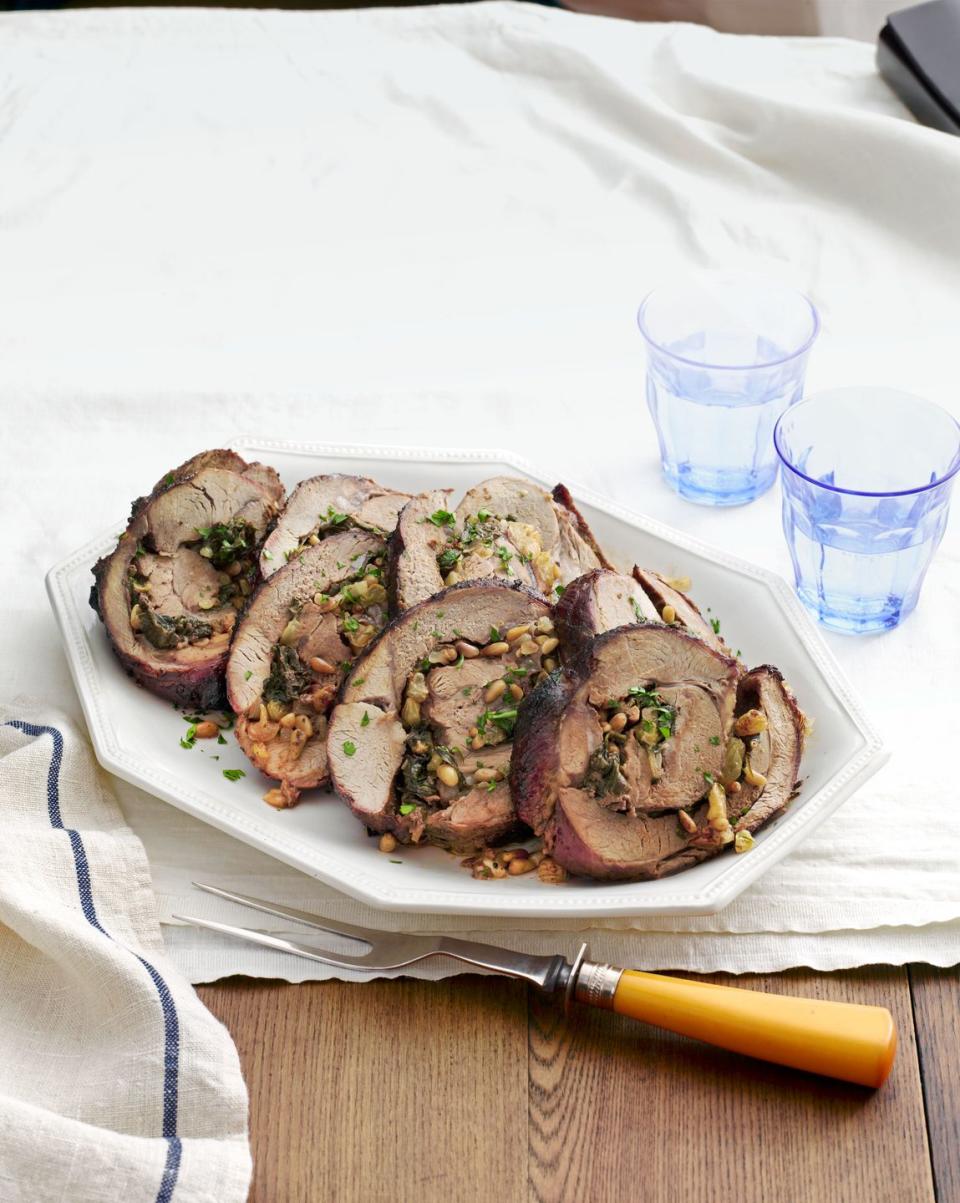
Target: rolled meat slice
point(599, 601)
point(293, 647)
point(325, 505)
point(505, 528)
point(616, 759)
point(679, 608)
point(766, 747)
point(419, 741)
point(169, 593)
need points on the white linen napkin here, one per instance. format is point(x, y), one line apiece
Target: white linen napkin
point(115, 1081)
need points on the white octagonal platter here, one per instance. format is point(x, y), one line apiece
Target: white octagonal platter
point(136, 735)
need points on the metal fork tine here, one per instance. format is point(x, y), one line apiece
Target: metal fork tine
point(282, 944)
point(286, 912)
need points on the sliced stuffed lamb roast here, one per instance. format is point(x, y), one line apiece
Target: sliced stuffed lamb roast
point(169, 593)
point(293, 647)
point(420, 740)
point(326, 505)
point(503, 528)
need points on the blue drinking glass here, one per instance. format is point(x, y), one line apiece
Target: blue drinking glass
point(724, 360)
point(867, 475)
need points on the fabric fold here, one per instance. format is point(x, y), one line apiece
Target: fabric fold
point(108, 1060)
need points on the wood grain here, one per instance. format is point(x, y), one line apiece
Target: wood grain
point(619, 1111)
point(466, 1089)
point(382, 1092)
point(936, 1006)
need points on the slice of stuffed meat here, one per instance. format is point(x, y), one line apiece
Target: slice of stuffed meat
point(617, 758)
point(170, 591)
point(293, 647)
point(505, 528)
point(325, 505)
point(419, 743)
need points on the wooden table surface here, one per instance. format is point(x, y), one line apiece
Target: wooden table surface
point(476, 1088)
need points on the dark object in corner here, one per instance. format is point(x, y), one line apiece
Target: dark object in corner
point(918, 54)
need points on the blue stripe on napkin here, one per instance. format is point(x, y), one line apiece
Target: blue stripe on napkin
point(171, 1021)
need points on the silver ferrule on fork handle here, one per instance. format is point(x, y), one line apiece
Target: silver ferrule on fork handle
point(596, 985)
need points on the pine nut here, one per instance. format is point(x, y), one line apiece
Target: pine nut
point(545, 625)
point(234, 569)
point(750, 723)
point(633, 714)
point(669, 615)
point(496, 649)
point(482, 775)
point(303, 725)
point(476, 743)
point(314, 540)
point(618, 722)
point(528, 648)
point(521, 865)
point(276, 710)
point(516, 693)
point(275, 798)
point(752, 777)
point(452, 578)
point(494, 691)
point(549, 664)
point(686, 822)
point(387, 842)
point(135, 623)
point(467, 650)
point(448, 775)
point(288, 720)
point(515, 632)
point(549, 645)
point(206, 730)
point(319, 665)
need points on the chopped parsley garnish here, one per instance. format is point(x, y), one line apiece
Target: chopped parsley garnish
point(248, 674)
point(709, 778)
point(395, 862)
point(267, 554)
point(458, 663)
point(715, 740)
point(168, 479)
point(491, 786)
point(467, 690)
point(220, 739)
point(233, 774)
point(350, 623)
point(559, 590)
point(505, 556)
point(349, 747)
point(715, 623)
point(365, 721)
point(334, 518)
point(447, 559)
point(406, 808)
point(504, 719)
point(359, 680)
point(494, 635)
point(513, 675)
point(190, 738)
point(441, 518)
point(637, 612)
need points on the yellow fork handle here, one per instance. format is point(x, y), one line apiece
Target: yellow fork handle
point(841, 1040)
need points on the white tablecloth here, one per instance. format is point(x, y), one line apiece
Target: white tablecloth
point(434, 226)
